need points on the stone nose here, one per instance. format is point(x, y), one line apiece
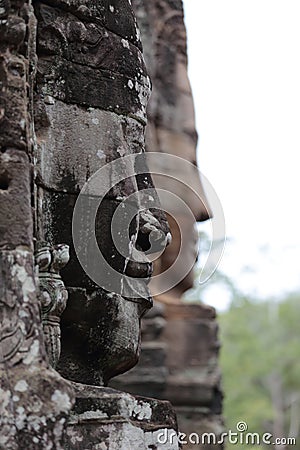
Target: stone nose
point(151, 238)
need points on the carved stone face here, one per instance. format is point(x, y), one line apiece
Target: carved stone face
point(92, 92)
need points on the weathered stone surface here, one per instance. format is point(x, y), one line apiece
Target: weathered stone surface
point(76, 142)
point(33, 409)
point(91, 87)
point(16, 216)
point(137, 422)
point(13, 109)
point(87, 43)
point(83, 62)
point(106, 339)
point(34, 399)
point(117, 16)
point(19, 334)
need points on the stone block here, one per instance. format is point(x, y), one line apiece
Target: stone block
point(107, 419)
point(15, 200)
point(13, 101)
point(76, 142)
point(116, 16)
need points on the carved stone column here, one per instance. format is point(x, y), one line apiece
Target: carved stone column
point(53, 294)
point(34, 399)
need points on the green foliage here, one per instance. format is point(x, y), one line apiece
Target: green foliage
point(260, 360)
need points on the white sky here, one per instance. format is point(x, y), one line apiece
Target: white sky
point(244, 66)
